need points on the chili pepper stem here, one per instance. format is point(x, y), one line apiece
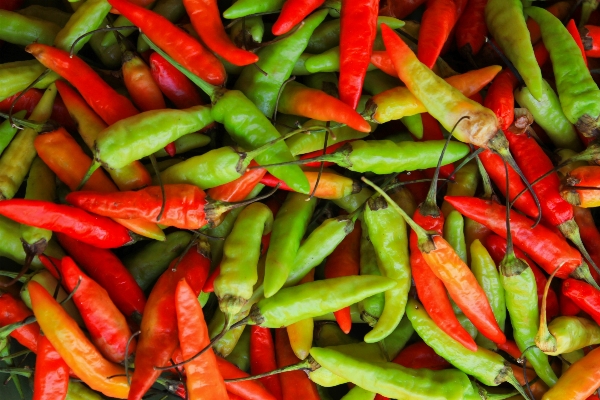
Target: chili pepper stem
point(105, 29)
point(488, 190)
point(15, 355)
point(217, 208)
point(424, 237)
point(22, 278)
point(10, 328)
point(308, 365)
point(510, 378)
point(32, 250)
point(95, 165)
point(499, 144)
point(544, 339)
point(38, 127)
point(571, 231)
point(26, 372)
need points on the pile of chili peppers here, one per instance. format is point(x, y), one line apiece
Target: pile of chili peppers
point(300, 199)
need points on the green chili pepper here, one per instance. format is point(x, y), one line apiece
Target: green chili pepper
point(17, 158)
point(378, 81)
point(277, 60)
point(173, 10)
point(240, 356)
point(16, 76)
point(487, 276)
point(87, 18)
point(488, 367)
point(395, 342)
point(289, 228)
point(454, 233)
point(465, 184)
point(522, 303)
point(328, 61)
point(51, 14)
point(254, 29)
point(23, 30)
point(567, 334)
point(394, 381)
point(225, 345)
point(388, 233)
point(110, 56)
point(186, 143)
point(578, 93)
point(241, 252)
point(151, 261)
point(324, 81)
point(414, 124)
point(41, 185)
point(507, 25)
point(371, 307)
point(10, 244)
point(550, 116)
point(7, 132)
point(244, 8)
point(587, 8)
point(352, 202)
point(78, 391)
point(330, 334)
point(300, 65)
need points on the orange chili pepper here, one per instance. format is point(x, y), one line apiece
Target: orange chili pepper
point(331, 185)
point(579, 381)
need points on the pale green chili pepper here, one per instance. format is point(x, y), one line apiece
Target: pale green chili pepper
point(454, 233)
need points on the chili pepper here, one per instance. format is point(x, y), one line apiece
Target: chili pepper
point(289, 227)
point(355, 47)
point(550, 116)
point(391, 379)
point(580, 187)
point(106, 269)
point(140, 84)
point(16, 160)
point(419, 355)
point(85, 19)
point(183, 48)
point(500, 98)
point(577, 92)
point(589, 232)
point(159, 336)
point(241, 252)
point(437, 23)
point(238, 189)
point(186, 143)
point(28, 100)
point(151, 261)
point(251, 28)
point(203, 377)
point(14, 310)
point(572, 28)
point(22, 30)
point(98, 231)
point(244, 8)
point(300, 334)
point(292, 14)
point(52, 14)
point(567, 306)
point(465, 184)
point(51, 379)
point(567, 334)
point(560, 10)
point(16, 76)
point(11, 246)
point(546, 249)
point(352, 202)
point(176, 86)
point(78, 391)
point(262, 358)
point(589, 38)
point(89, 125)
point(514, 42)
point(295, 384)
point(330, 184)
point(109, 56)
point(371, 307)
point(400, 8)
point(471, 28)
point(249, 390)
point(454, 234)
point(577, 382)
point(330, 149)
point(263, 90)
point(72, 345)
point(583, 295)
point(387, 232)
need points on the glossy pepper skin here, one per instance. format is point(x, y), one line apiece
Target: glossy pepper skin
point(174, 85)
point(583, 295)
point(569, 334)
point(92, 229)
point(471, 28)
point(74, 347)
point(296, 384)
point(51, 378)
point(437, 23)
point(159, 334)
point(514, 42)
point(13, 310)
point(262, 359)
point(578, 94)
point(579, 381)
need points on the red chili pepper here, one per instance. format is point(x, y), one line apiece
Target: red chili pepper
point(590, 36)
point(209, 285)
point(567, 306)
point(317, 153)
point(184, 205)
point(174, 84)
point(295, 384)
point(249, 390)
point(159, 337)
point(437, 23)
point(471, 28)
point(345, 261)
point(92, 229)
point(331, 185)
point(584, 296)
point(239, 189)
point(430, 288)
point(400, 8)
point(546, 249)
point(418, 355)
point(358, 27)
point(13, 310)
point(382, 60)
point(175, 42)
point(497, 249)
point(511, 348)
point(589, 234)
point(108, 104)
point(106, 268)
point(30, 99)
point(292, 13)
point(262, 359)
point(51, 378)
point(500, 98)
point(572, 28)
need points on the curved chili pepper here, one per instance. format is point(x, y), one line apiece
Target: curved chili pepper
point(138, 80)
point(292, 13)
point(204, 15)
point(240, 188)
point(159, 337)
point(176, 86)
point(471, 28)
point(579, 381)
point(249, 390)
point(105, 268)
point(358, 27)
point(344, 261)
point(295, 384)
point(330, 184)
point(300, 334)
point(181, 46)
point(86, 18)
point(500, 98)
point(51, 378)
point(92, 229)
point(262, 359)
point(13, 310)
point(419, 355)
point(437, 23)
point(73, 346)
point(583, 295)
point(567, 306)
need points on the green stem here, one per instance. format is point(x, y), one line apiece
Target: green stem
point(306, 365)
point(27, 373)
point(95, 165)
